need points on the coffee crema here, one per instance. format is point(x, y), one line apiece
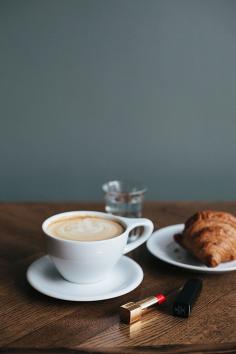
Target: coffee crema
point(85, 228)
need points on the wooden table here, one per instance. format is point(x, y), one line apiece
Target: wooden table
point(34, 323)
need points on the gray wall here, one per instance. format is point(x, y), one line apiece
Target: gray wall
point(104, 89)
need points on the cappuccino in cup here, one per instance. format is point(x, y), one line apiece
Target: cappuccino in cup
point(85, 228)
point(85, 245)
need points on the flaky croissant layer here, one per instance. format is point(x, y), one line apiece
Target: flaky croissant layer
point(210, 236)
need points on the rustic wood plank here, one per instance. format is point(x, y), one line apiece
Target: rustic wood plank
point(31, 322)
point(228, 348)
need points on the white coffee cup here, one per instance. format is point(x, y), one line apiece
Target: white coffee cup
point(92, 261)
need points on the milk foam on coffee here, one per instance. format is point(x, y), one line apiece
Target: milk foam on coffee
point(85, 228)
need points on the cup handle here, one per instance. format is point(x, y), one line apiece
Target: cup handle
point(133, 223)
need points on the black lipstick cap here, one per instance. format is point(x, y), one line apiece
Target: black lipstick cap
point(184, 301)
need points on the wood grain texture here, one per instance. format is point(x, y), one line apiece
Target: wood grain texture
point(34, 323)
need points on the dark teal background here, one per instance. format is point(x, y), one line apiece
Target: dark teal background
point(104, 89)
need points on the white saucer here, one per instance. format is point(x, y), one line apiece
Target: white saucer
point(163, 246)
point(125, 277)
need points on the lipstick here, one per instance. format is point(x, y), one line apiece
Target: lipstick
point(132, 311)
point(186, 298)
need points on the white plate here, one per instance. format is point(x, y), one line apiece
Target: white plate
point(125, 277)
point(163, 246)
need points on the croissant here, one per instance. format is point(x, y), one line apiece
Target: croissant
point(210, 236)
